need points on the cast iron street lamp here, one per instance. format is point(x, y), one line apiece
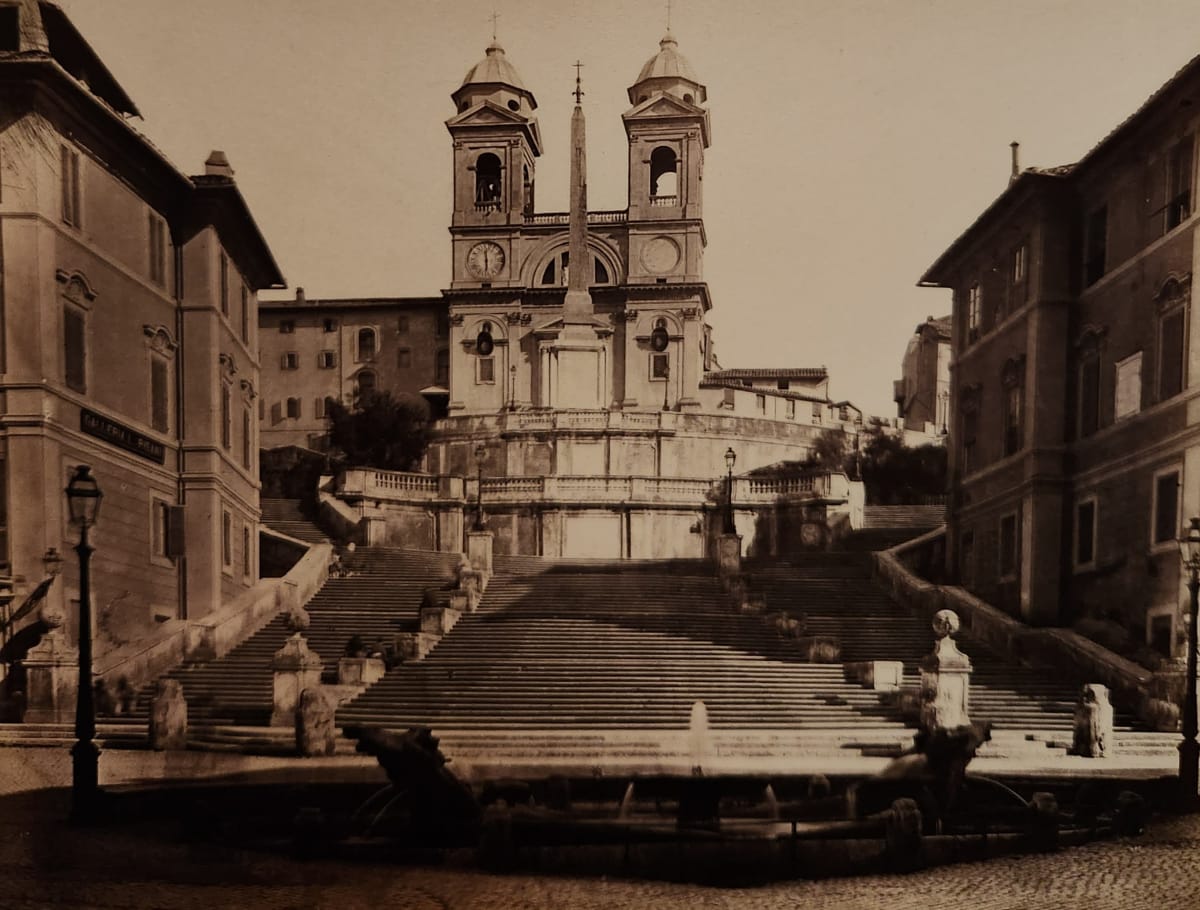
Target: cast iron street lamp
point(1189, 749)
point(666, 386)
point(730, 458)
point(83, 500)
point(480, 452)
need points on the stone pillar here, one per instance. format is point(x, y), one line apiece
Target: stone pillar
point(316, 731)
point(52, 680)
point(729, 555)
point(360, 671)
point(296, 669)
point(945, 678)
point(374, 530)
point(479, 553)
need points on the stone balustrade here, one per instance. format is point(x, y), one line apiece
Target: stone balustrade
point(563, 218)
point(394, 486)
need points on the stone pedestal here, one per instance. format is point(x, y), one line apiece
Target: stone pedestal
point(168, 717)
point(729, 555)
point(1093, 723)
point(439, 620)
point(51, 681)
point(479, 554)
point(360, 671)
point(296, 669)
point(945, 678)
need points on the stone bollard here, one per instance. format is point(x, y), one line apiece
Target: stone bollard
point(316, 733)
point(1093, 723)
point(945, 678)
point(729, 555)
point(296, 669)
point(51, 681)
point(168, 717)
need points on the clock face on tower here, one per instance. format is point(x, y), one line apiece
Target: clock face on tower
point(485, 260)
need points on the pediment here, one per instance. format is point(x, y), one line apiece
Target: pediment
point(487, 113)
point(662, 105)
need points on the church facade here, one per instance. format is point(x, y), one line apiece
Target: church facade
point(585, 401)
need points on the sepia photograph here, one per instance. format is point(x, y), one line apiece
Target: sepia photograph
point(487, 455)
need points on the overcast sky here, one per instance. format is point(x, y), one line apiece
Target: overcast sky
point(852, 141)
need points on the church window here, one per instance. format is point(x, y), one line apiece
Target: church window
point(485, 370)
point(689, 98)
point(366, 344)
point(601, 273)
point(247, 552)
point(527, 182)
point(663, 176)
point(514, 104)
point(247, 438)
point(226, 541)
point(549, 273)
point(487, 180)
point(226, 417)
point(366, 385)
point(660, 366)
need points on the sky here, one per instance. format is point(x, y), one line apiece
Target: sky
point(852, 140)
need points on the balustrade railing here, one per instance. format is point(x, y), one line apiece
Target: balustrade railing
point(609, 217)
point(664, 201)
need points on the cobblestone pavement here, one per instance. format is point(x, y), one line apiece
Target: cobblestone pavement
point(51, 865)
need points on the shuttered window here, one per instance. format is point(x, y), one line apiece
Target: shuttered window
point(1170, 355)
point(74, 349)
point(159, 394)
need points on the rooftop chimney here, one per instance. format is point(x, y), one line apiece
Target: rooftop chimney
point(1016, 159)
point(218, 165)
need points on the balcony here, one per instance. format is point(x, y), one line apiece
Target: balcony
point(563, 218)
point(664, 201)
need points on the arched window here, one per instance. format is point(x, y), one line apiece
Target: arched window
point(663, 177)
point(527, 182)
point(557, 272)
point(366, 385)
point(366, 344)
point(487, 180)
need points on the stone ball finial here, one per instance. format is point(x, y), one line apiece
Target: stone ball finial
point(945, 623)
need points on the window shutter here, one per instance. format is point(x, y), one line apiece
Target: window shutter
point(175, 535)
point(74, 349)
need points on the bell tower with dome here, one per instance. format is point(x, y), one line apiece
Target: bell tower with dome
point(496, 145)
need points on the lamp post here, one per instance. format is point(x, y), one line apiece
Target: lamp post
point(730, 459)
point(666, 385)
point(83, 500)
point(480, 452)
point(512, 387)
point(1189, 749)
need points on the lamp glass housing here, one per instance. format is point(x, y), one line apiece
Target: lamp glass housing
point(730, 458)
point(83, 497)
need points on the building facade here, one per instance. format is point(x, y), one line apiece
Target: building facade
point(922, 393)
point(1076, 370)
point(317, 351)
point(128, 342)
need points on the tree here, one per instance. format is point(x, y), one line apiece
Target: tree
point(382, 431)
point(829, 451)
point(896, 473)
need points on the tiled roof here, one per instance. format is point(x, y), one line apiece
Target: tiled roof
point(813, 373)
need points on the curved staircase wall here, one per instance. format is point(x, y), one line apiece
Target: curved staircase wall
point(145, 660)
point(1062, 649)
